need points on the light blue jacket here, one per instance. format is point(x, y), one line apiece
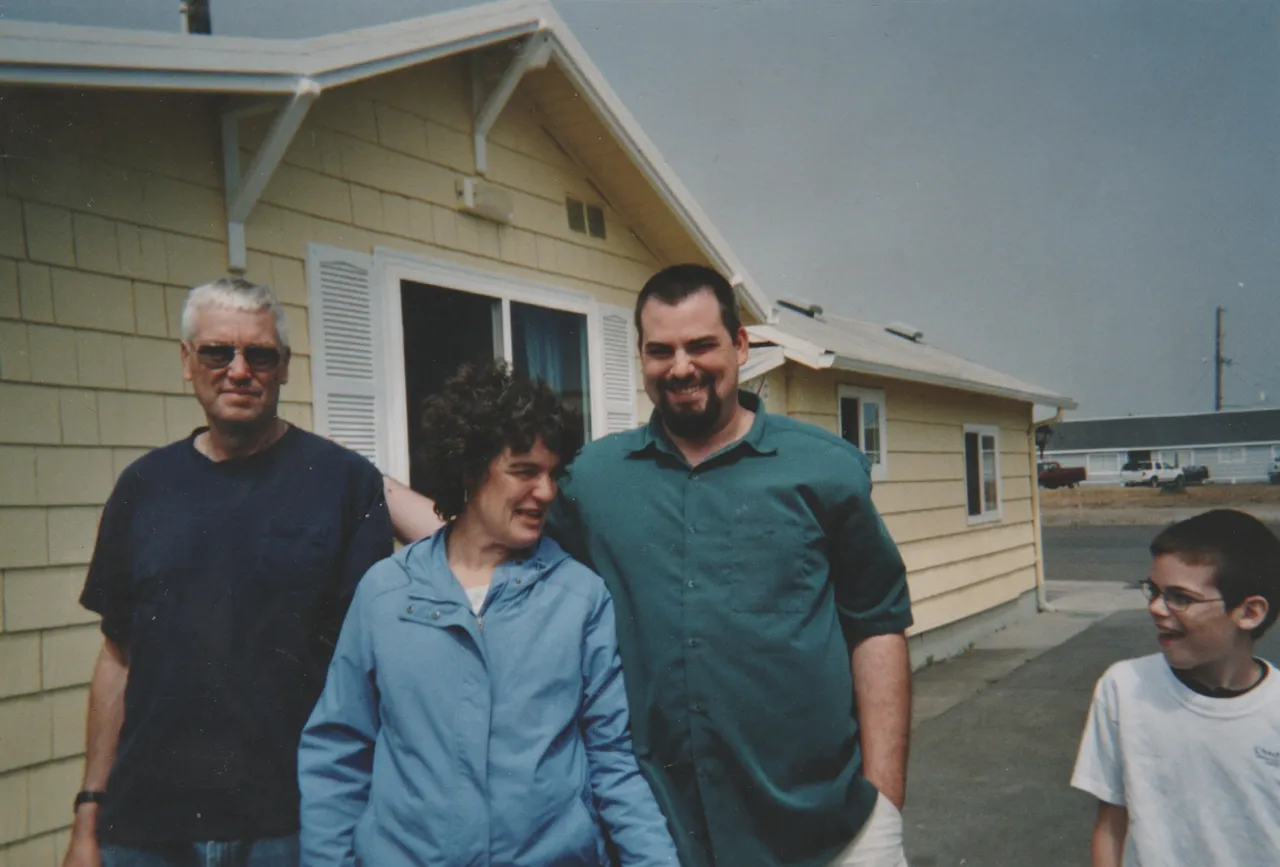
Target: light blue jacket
point(447, 739)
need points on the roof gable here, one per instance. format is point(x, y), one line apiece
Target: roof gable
point(642, 183)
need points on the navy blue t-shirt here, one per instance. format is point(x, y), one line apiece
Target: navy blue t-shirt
point(226, 583)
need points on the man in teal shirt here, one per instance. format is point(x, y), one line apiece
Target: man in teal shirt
point(761, 604)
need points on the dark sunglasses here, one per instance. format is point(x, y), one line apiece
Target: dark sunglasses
point(260, 359)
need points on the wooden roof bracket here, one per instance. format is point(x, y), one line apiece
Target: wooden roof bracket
point(243, 192)
point(534, 54)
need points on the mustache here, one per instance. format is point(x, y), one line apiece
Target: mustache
point(703, 379)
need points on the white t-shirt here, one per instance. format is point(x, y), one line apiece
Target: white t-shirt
point(475, 595)
point(1199, 776)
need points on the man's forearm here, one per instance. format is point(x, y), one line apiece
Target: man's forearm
point(102, 731)
point(882, 685)
point(413, 516)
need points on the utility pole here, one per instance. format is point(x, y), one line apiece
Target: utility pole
point(1218, 362)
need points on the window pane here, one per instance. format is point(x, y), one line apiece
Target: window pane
point(577, 215)
point(990, 497)
point(871, 431)
point(849, 420)
point(443, 329)
point(595, 221)
point(551, 345)
point(973, 473)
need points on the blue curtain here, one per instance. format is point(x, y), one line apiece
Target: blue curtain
point(543, 338)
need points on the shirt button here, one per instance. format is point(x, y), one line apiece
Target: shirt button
point(692, 585)
point(435, 615)
point(692, 642)
point(409, 610)
point(696, 708)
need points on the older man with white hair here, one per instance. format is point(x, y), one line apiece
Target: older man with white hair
point(223, 568)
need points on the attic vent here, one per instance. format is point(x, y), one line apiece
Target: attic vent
point(804, 308)
point(905, 331)
point(197, 17)
point(585, 219)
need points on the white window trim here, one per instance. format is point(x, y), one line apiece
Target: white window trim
point(392, 267)
point(996, 514)
point(880, 471)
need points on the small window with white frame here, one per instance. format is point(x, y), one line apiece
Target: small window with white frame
point(862, 423)
point(982, 473)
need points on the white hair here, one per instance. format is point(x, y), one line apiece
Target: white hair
point(233, 293)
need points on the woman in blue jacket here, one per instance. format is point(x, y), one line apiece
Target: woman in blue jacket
point(474, 712)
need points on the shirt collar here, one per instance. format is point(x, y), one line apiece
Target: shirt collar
point(654, 436)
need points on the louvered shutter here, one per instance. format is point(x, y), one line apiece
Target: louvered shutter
point(346, 330)
point(619, 369)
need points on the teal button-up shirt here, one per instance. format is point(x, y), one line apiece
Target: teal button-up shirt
point(740, 585)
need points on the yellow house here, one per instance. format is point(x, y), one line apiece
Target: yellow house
point(952, 449)
point(460, 186)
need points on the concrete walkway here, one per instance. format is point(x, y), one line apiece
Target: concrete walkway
point(996, 732)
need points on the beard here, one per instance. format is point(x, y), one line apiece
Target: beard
point(689, 424)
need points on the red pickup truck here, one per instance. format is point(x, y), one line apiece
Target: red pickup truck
point(1054, 475)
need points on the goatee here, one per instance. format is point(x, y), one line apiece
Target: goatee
point(690, 424)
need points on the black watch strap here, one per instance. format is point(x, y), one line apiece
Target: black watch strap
point(89, 797)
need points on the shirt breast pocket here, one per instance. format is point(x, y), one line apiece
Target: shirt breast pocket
point(295, 555)
point(770, 567)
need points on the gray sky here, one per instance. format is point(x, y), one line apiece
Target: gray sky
point(1063, 191)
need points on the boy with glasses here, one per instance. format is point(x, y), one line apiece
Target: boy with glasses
point(1182, 748)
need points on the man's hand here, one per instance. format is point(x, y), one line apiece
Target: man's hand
point(83, 851)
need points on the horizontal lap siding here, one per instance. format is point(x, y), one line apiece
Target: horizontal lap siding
point(954, 569)
point(111, 207)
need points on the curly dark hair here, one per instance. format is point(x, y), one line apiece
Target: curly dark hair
point(480, 411)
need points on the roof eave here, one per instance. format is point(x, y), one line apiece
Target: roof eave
point(185, 63)
point(858, 365)
point(282, 65)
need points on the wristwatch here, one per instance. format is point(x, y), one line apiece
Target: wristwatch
point(89, 797)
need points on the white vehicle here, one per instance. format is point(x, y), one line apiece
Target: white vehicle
point(1151, 474)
